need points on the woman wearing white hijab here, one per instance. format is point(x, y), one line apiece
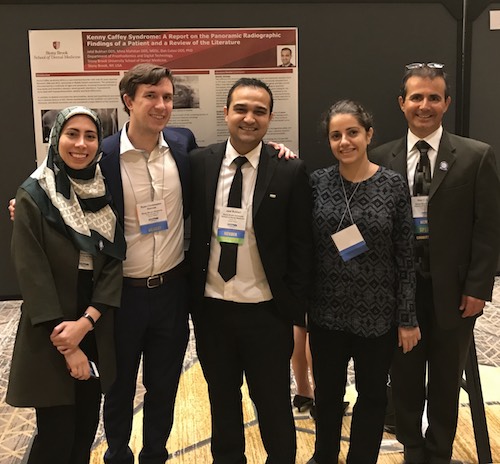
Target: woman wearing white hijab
point(67, 248)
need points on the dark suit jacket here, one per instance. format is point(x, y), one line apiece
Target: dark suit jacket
point(181, 141)
point(464, 219)
point(281, 219)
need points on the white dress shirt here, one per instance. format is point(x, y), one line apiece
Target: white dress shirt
point(414, 155)
point(249, 285)
point(147, 177)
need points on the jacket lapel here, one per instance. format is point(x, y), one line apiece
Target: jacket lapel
point(267, 164)
point(179, 154)
point(110, 165)
point(444, 161)
point(212, 164)
point(399, 160)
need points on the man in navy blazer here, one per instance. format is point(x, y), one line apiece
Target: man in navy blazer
point(243, 319)
point(180, 140)
point(147, 171)
point(457, 258)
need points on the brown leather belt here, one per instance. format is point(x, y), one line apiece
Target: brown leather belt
point(157, 280)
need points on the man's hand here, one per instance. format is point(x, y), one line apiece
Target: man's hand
point(471, 306)
point(78, 364)
point(283, 151)
point(12, 208)
point(408, 338)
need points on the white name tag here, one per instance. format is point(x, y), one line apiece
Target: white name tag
point(152, 216)
point(86, 262)
point(420, 221)
point(349, 242)
point(231, 227)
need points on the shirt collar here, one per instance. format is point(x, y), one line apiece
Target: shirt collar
point(126, 144)
point(253, 156)
point(432, 139)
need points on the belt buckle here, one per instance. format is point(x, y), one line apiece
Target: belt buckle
point(154, 281)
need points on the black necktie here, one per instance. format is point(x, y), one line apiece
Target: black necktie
point(422, 181)
point(421, 186)
point(229, 251)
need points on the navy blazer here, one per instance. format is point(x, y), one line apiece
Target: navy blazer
point(180, 140)
point(464, 219)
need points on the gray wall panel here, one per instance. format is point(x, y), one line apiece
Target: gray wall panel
point(354, 50)
point(485, 81)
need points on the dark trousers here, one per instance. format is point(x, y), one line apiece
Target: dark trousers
point(65, 433)
point(152, 323)
point(441, 354)
point(331, 351)
point(233, 339)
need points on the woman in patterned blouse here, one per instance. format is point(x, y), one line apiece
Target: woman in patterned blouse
point(363, 299)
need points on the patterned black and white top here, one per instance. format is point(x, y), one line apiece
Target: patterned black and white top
point(374, 291)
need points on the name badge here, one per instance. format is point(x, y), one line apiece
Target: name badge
point(231, 228)
point(86, 262)
point(420, 221)
point(152, 216)
point(349, 242)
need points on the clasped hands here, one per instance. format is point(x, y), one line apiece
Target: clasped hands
point(66, 337)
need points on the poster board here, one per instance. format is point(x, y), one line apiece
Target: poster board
point(84, 67)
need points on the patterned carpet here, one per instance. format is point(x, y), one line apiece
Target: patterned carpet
point(191, 434)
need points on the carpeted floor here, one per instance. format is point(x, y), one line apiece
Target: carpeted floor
point(190, 439)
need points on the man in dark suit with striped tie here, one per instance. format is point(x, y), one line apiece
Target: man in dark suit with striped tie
point(456, 206)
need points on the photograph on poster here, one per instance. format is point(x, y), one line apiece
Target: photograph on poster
point(286, 56)
point(186, 92)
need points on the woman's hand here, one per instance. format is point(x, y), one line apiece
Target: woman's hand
point(408, 338)
point(78, 364)
point(67, 335)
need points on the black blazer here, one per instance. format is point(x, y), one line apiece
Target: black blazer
point(464, 219)
point(282, 223)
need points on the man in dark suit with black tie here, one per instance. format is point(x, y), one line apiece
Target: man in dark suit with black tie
point(456, 206)
point(251, 257)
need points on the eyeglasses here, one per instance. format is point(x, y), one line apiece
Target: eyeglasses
point(424, 65)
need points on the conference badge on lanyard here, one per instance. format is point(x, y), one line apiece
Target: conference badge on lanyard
point(232, 223)
point(420, 221)
point(349, 242)
point(86, 262)
point(152, 216)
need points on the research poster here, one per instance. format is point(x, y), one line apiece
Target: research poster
point(84, 67)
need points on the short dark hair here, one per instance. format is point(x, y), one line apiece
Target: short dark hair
point(250, 82)
point(287, 48)
point(364, 118)
point(424, 71)
point(143, 73)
